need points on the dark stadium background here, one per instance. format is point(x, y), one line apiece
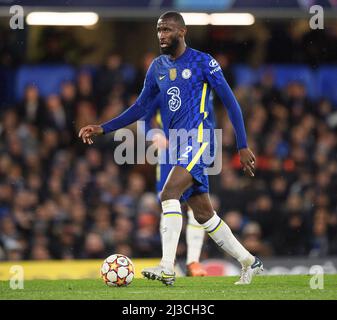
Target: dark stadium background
point(60, 199)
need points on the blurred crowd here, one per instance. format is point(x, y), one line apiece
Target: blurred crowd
point(267, 41)
point(61, 199)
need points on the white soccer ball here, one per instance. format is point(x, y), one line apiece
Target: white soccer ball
point(117, 270)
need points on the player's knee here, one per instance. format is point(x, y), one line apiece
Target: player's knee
point(202, 216)
point(169, 193)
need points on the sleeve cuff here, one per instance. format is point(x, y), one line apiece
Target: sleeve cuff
point(104, 130)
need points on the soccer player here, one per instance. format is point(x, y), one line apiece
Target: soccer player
point(183, 77)
point(195, 233)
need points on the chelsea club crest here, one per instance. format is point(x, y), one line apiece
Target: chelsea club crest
point(186, 74)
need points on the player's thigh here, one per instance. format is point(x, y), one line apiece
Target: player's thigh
point(178, 180)
point(201, 206)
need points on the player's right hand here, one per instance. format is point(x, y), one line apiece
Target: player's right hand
point(86, 133)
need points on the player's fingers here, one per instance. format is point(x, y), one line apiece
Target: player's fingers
point(88, 130)
point(80, 134)
point(249, 165)
point(84, 139)
point(84, 133)
point(252, 158)
point(249, 170)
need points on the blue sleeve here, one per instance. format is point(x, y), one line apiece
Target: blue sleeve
point(151, 112)
point(213, 74)
point(139, 108)
point(147, 124)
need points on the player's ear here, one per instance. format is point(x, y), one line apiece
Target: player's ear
point(183, 31)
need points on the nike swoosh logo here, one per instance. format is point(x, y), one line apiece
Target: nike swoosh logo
point(166, 276)
point(257, 263)
point(162, 77)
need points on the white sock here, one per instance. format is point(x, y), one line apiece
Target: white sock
point(219, 231)
point(194, 238)
point(161, 226)
point(171, 227)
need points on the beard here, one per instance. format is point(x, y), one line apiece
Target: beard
point(171, 49)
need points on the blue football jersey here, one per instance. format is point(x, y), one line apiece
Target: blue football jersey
point(184, 87)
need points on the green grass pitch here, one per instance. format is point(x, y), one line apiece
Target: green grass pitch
point(290, 287)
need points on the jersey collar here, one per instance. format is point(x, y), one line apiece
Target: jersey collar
point(182, 57)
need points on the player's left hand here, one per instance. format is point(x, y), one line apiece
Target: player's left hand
point(248, 161)
point(160, 141)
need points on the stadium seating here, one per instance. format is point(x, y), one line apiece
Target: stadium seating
point(245, 76)
point(326, 83)
point(319, 83)
point(47, 78)
point(288, 73)
point(7, 84)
